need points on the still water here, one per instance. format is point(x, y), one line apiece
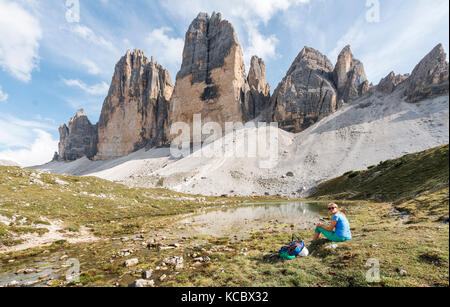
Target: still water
point(296, 215)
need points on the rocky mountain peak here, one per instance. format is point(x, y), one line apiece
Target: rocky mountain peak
point(257, 76)
point(135, 112)
point(306, 94)
point(212, 80)
point(80, 113)
point(430, 77)
point(78, 139)
point(310, 58)
point(207, 44)
point(349, 76)
point(389, 83)
point(257, 90)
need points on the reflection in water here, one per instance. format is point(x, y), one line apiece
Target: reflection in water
point(302, 215)
point(37, 274)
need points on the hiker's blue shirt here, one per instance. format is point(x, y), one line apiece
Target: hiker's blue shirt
point(342, 226)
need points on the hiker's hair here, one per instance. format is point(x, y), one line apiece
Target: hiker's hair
point(337, 207)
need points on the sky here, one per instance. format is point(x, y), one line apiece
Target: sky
point(57, 56)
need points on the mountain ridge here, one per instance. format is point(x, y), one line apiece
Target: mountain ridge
point(142, 102)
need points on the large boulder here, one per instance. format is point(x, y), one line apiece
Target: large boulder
point(429, 78)
point(212, 80)
point(306, 94)
point(78, 139)
point(135, 112)
point(350, 77)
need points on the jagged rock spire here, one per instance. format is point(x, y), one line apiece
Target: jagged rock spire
point(134, 113)
point(257, 76)
point(389, 83)
point(430, 77)
point(257, 98)
point(78, 139)
point(212, 80)
point(306, 94)
point(349, 76)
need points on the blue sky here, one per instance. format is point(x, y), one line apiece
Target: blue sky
point(54, 60)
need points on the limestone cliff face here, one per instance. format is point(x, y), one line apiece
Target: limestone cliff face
point(257, 97)
point(135, 112)
point(349, 76)
point(306, 94)
point(429, 78)
point(212, 79)
point(77, 140)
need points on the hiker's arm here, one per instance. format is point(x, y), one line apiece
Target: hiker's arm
point(329, 228)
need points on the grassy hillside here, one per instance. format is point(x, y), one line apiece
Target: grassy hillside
point(396, 180)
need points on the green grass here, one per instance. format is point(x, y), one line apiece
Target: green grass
point(397, 249)
point(396, 180)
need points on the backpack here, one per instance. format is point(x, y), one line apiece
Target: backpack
point(294, 248)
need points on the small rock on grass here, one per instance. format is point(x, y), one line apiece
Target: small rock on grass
point(141, 283)
point(28, 271)
point(403, 272)
point(147, 274)
point(202, 259)
point(131, 262)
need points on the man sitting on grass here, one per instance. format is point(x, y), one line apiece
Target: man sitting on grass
point(339, 223)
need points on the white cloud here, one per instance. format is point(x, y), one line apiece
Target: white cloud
point(92, 68)
point(3, 95)
point(89, 35)
point(15, 132)
point(165, 49)
point(40, 151)
point(263, 9)
point(260, 45)
point(26, 142)
point(100, 89)
point(20, 33)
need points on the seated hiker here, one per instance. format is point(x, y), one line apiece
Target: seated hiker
point(339, 229)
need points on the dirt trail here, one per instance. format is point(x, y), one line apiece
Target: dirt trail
point(54, 234)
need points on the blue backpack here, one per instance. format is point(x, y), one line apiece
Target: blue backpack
point(295, 247)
